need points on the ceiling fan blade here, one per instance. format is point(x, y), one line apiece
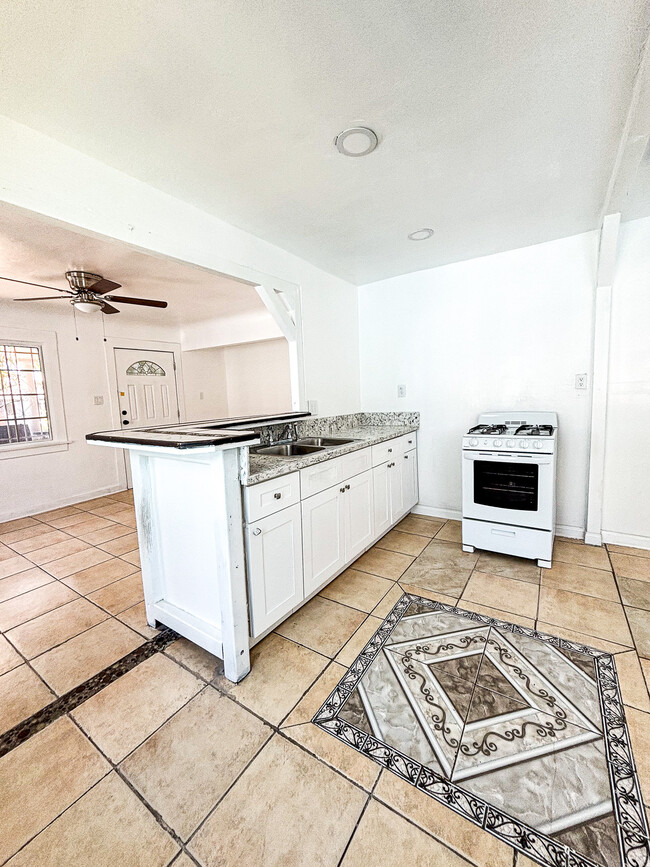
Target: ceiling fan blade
point(41, 285)
point(145, 302)
point(107, 308)
point(103, 286)
point(44, 298)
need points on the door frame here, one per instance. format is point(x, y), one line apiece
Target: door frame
point(110, 345)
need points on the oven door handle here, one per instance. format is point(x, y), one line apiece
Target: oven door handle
point(540, 460)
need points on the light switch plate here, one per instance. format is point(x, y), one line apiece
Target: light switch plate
point(99, 400)
point(401, 391)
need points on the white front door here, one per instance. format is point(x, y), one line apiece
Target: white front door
point(146, 389)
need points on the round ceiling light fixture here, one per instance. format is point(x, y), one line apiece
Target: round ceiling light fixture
point(420, 235)
point(85, 303)
point(357, 141)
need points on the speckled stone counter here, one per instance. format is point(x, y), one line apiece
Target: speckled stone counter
point(366, 429)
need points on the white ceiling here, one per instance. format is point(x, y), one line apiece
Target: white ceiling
point(498, 119)
point(32, 248)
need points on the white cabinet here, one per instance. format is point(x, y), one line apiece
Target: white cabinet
point(275, 580)
point(323, 541)
point(381, 477)
point(358, 524)
point(410, 478)
point(395, 486)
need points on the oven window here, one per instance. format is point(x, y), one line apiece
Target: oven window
point(506, 485)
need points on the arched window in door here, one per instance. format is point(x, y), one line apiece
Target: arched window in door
point(145, 368)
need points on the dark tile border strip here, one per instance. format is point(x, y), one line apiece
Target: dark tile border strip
point(76, 696)
point(624, 784)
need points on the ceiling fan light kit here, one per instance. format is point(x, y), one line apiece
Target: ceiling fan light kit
point(88, 293)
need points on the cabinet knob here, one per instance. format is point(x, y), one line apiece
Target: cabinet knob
point(342, 490)
point(389, 451)
point(410, 442)
point(347, 487)
point(406, 457)
point(256, 531)
point(277, 496)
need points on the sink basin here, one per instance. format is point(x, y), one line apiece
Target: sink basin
point(324, 442)
point(290, 450)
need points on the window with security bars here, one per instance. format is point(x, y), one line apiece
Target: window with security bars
point(24, 415)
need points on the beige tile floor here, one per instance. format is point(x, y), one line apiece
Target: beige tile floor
point(173, 764)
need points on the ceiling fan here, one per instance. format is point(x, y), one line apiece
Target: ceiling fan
point(88, 293)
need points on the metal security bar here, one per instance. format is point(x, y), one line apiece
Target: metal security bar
point(24, 414)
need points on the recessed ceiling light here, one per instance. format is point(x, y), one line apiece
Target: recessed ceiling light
point(420, 234)
point(357, 141)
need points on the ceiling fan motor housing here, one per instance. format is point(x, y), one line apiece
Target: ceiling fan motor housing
point(80, 280)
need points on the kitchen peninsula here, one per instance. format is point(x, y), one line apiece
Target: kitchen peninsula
point(241, 521)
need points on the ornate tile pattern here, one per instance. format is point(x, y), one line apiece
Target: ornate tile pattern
point(521, 732)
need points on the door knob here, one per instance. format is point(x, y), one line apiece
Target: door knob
point(125, 421)
point(256, 531)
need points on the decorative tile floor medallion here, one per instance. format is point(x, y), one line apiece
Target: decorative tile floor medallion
point(521, 732)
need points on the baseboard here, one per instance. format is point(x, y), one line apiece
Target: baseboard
point(434, 512)
point(571, 532)
point(593, 539)
point(627, 539)
point(59, 503)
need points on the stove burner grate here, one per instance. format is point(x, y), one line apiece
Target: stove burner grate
point(534, 430)
point(488, 429)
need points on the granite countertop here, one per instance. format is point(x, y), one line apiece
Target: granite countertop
point(261, 468)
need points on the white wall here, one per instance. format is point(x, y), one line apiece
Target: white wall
point(227, 330)
point(31, 483)
point(246, 379)
point(49, 178)
point(626, 503)
point(507, 331)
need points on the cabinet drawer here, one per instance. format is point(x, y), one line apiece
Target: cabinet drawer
point(408, 441)
point(269, 497)
point(315, 479)
point(385, 451)
point(355, 463)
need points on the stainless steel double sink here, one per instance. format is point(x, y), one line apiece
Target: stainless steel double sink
point(301, 447)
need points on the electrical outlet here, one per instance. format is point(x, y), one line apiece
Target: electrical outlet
point(581, 380)
point(99, 400)
point(401, 391)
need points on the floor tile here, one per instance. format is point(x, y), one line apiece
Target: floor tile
point(108, 534)
point(640, 625)
point(633, 592)
point(450, 532)
point(353, 647)
point(581, 555)
point(497, 613)
point(22, 582)
point(508, 594)
point(11, 565)
point(390, 599)
point(631, 567)
point(68, 520)
point(127, 711)
point(403, 543)
point(356, 767)
point(92, 524)
point(322, 625)
point(55, 552)
point(28, 605)
point(638, 724)
point(428, 594)
point(41, 778)
point(26, 532)
point(622, 549)
point(76, 562)
point(9, 658)
point(107, 509)
point(17, 524)
point(54, 514)
point(136, 618)
point(631, 681)
point(482, 848)
point(386, 564)
point(6, 552)
point(121, 545)
point(281, 673)
point(298, 812)
point(357, 589)
point(44, 632)
point(442, 567)
point(198, 660)
point(22, 693)
point(382, 839)
point(186, 766)
point(581, 579)
point(95, 503)
point(508, 567)
point(581, 637)
point(585, 614)
point(81, 657)
point(132, 557)
point(43, 540)
point(315, 695)
point(420, 525)
point(120, 595)
point(109, 825)
point(91, 579)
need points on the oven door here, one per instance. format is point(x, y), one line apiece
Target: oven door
point(509, 489)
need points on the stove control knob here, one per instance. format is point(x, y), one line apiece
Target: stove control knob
point(473, 441)
point(498, 443)
point(525, 444)
point(537, 444)
point(511, 444)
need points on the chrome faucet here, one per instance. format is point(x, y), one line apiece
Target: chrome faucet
point(289, 432)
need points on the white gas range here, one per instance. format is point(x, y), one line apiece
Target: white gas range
point(509, 484)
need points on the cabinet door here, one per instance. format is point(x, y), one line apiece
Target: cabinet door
point(323, 542)
point(381, 499)
point(275, 567)
point(396, 478)
point(410, 479)
point(358, 515)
